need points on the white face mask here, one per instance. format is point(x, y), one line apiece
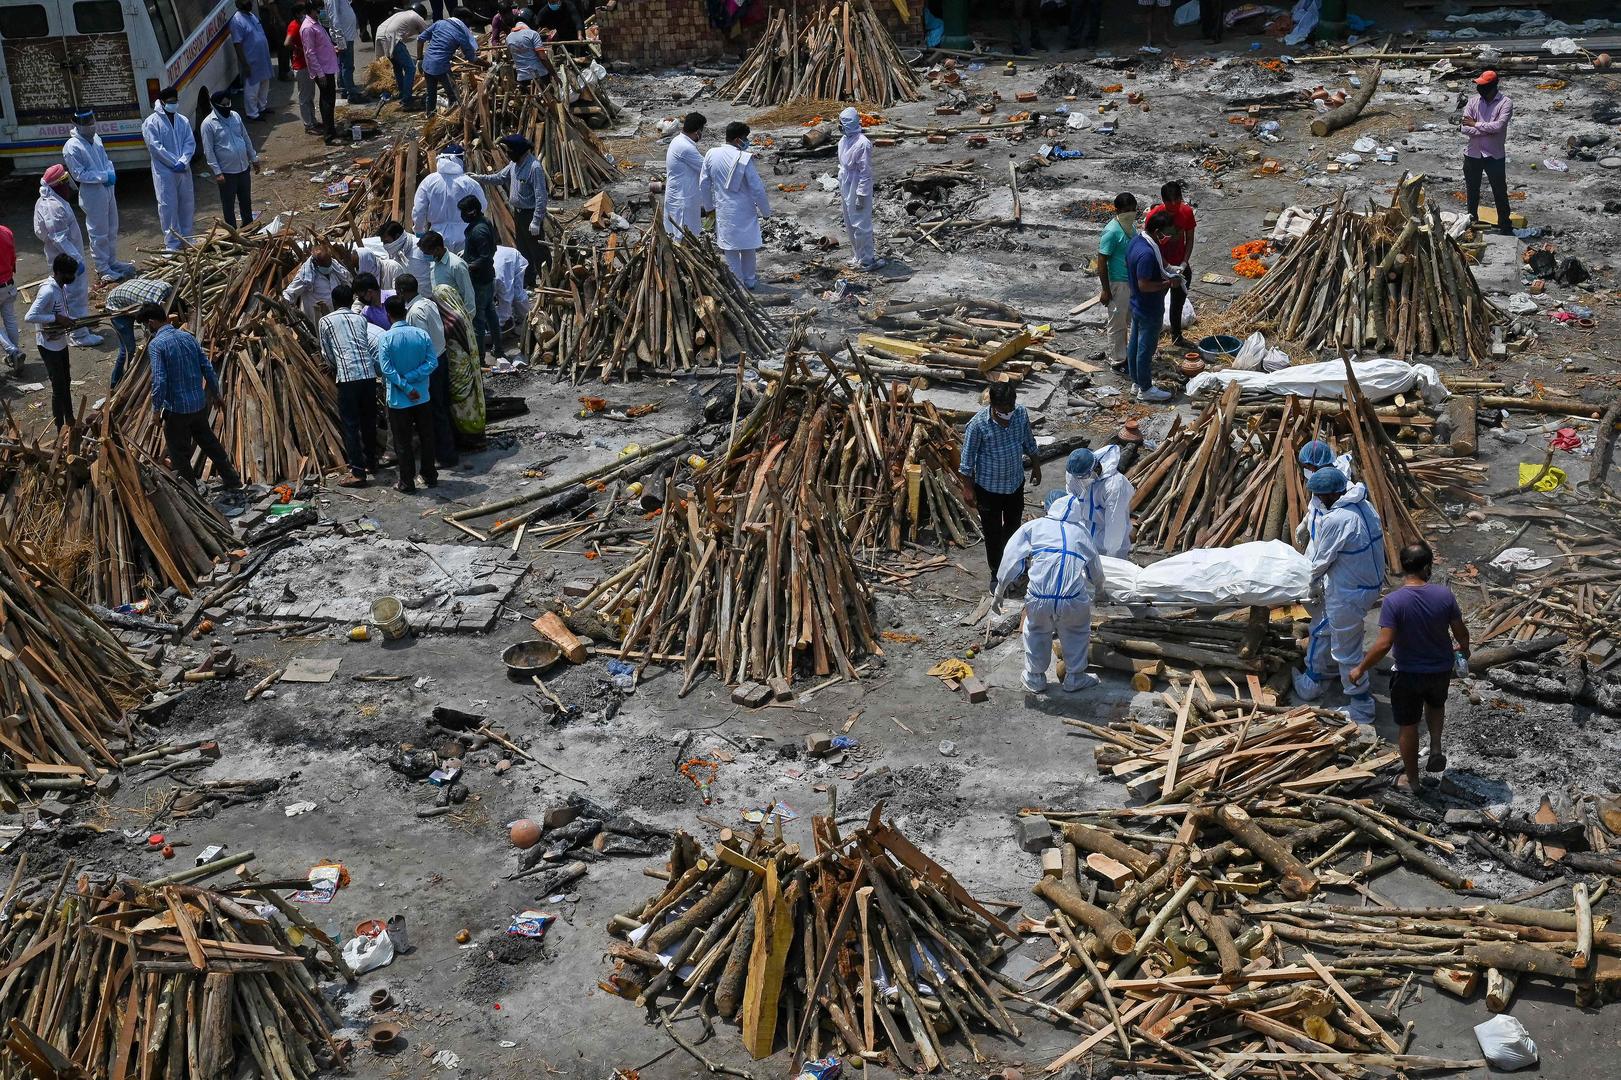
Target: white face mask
point(171, 107)
point(395, 246)
point(1003, 417)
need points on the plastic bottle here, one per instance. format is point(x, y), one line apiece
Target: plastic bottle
point(1460, 664)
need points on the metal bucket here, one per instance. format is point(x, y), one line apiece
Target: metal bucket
point(389, 615)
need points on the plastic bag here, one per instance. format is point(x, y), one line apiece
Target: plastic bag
point(1187, 314)
point(1506, 1043)
point(1251, 353)
point(364, 954)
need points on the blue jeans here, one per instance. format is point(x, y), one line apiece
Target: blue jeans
point(124, 326)
point(405, 72)
point(434, 83)
point(346, 70)
point(1141, 347)
point(486, 323)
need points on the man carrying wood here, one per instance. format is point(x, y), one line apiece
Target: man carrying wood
point(1057, 553)
point(1485, 122)
point(994, 446)
point(183, 385)
point(1114, 283)
point(1420, 621)
point(1347, 556)
point(731, 184)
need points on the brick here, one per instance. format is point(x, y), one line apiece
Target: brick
point(751, 695)
point(1052, 862)
point(976, 690)
point(780, 690)
point(818, 742)
point(578, 588)
point(1033, 832)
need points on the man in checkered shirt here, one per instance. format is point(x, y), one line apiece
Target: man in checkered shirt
point(183, 385)
point(994, 448)
point(348, 350)
point(122, 304)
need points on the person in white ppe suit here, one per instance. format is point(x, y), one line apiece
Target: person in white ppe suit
point(511, 298)
point(1064, 570)
point(434, 209)
point(403, 255)
point(683, 164)
point(855, 190)
point(58, 230)
point(731, 184)
point(171, 146)
point(87, 162)
point(1095, 479)
point(1347, 555)
point(313, 282)
point(1315, 455)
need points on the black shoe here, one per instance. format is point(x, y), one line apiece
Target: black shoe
point(405, 489)
point(430, 481)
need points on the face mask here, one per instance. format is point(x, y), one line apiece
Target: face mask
point(1128, 222)
point(470, 216)
point(395, 246)
point(223, 111)
point(87, 130)
point(1003, 417)
point(171, 107)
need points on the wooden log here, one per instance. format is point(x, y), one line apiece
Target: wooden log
point(1297, 881)
point(1086, 838)
point(1066, 898)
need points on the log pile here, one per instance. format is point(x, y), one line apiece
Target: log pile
point(800, 950)
point(113, 523)
point(660, 307)
point(110, 978)
point(1389, 281)
point(842, 53)
point(67, 682)
point(1230, 478)
point(279, 416)
point(1173, 647)
point(957, 340)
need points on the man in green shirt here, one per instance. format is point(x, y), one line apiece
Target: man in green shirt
point(1113, 277)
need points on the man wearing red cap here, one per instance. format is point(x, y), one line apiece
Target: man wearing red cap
point(1485, 122)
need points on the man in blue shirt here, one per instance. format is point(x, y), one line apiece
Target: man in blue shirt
point(405, 357)
point(994, 446)
point(231, 158)
point(1149, 278)
point(183, 386)
point(437, 47)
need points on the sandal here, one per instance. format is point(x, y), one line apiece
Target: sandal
point(1436, 762)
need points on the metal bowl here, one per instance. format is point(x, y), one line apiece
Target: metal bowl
point(528, 658)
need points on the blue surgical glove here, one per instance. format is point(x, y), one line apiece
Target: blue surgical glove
point(81, 266)
point(180, 167)
point(110, 178)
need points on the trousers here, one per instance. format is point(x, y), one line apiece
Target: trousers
point(357, 409)
point(486, 323)
point(255, 97)
point(1495, 170)
point(56, 370)
point(1084, 19)
point(414, 442)
point(534, 252)
point(1338, 624)
point(1117, 328)
point(124, 327)
point(236, 194)
point(101, 220)
point(306, 97)
point(327, 85)
point(346, 70)
point(10, 335)
point(742, 264)
point(405, 73)
point(858, 221)
point(998, 519)
point(1141, 348)
point(177, 205)
point(185, 433)
point(444, 446)
point(434, 83)
point(1071, 622)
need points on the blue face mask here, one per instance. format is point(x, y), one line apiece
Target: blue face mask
point(171, 107)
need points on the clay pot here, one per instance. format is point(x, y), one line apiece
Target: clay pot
point(1602, 60)
point(524, 833)
point(1190, 368)
point(370, 928)
point(383, 1036)
point(381, 998)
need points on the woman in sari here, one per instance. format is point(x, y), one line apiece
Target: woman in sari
point(466, 377)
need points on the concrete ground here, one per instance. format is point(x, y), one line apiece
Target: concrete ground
point(512, 1011)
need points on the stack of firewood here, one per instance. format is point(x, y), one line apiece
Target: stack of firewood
point(841, 53)
point(660, 307)
point(67, 682)
point(115, 977)
point(957, 340)
point(113, 523)
point(1391, 281)
point(868, 948)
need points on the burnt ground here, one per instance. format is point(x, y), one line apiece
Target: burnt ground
point(506, 1007)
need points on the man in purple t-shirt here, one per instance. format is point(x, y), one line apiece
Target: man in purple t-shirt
point(1420, 621)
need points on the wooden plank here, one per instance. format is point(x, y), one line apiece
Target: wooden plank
point(768, 956)
point(1085, 1046)
point(1006, 351)
point(1180, 732)
point(1351, 1003)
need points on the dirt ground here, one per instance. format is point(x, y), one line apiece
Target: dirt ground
point(508, 1008)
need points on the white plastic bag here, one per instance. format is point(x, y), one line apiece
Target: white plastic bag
point(1251, 354)
point(1187, 314)
point(1506, 1043)
point(364, 953)
point(1266, 572)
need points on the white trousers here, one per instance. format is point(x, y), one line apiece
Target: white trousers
point(1338, 625)
point(858, 220)
point(177, 205)
point(101, 219)
point(1071, 621)
point(255, 97)
point(10, 336)
point(1118, 327)
point(743, 267)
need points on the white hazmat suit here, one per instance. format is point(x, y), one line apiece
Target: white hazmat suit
point(312, 285)
point(1064, 572)
point(87, 162)
point(58, 230)
point(511, 298)
point(1107, 495)
point(683, 203)
point(171, 145)
point(1347, 554)
point(435, 204)
point(731, 184)
point(1319, 644)
point(855, 189)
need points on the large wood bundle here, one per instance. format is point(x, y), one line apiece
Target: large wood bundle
point(809, 946)
point(279, 416)
point(1391, 281)
point(660, 307)
point(66, 683)
point(114, 524)
point(108, 979)
point(841, 53)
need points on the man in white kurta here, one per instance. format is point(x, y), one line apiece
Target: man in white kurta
point(731, 184)
point(855, 190)
point(58, 230)
point(171, 146)
point(434, 208)
point(87, 162)
point(683, 163)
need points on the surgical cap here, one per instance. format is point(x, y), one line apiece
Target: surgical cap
point(1316, 454)
point(1326, 480)
point(1081, 462)
point(1052, 497)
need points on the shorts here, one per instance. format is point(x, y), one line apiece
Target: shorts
point(1410, 692)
